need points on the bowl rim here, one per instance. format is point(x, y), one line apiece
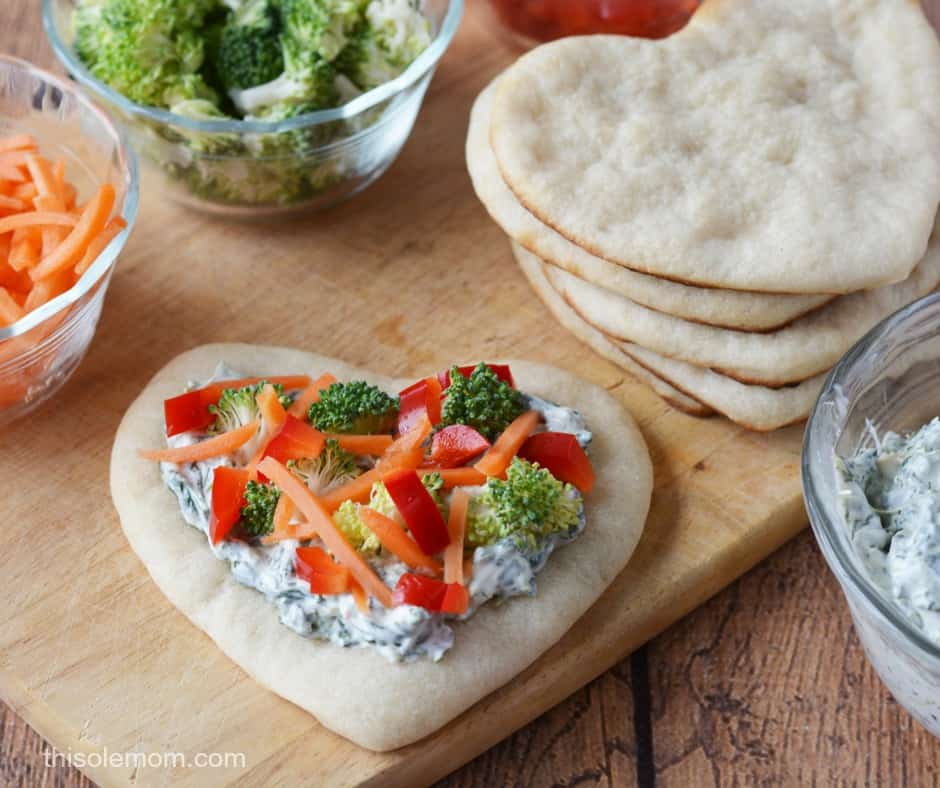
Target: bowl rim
point(420, 66)
point(842, 565)
point(108, 257)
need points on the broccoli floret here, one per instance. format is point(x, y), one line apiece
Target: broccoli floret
point(258, 512)
point(321, 26)
point(357, 408)
point(482, 401)
point(349, 521)
point(384, 43)
point(529, 505)
point(248, 52)
point(150, 51)
point(333, 467)
point(237, 407)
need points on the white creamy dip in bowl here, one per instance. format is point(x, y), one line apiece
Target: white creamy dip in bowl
point(888, 382)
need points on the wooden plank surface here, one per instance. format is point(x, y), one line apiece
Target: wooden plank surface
point(590, 738)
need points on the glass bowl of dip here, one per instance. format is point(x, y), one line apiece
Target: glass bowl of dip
point(888, 379)
point(254, 169)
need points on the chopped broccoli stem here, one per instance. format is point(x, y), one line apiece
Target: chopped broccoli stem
point(238, 407)
point(333, 467)
point(482, 401)
point(356, 408)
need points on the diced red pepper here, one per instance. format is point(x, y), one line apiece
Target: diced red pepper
point(431, 594)
point(228, 496)
point(297, 440)
point(318, 568)
point(186, 412)
point(561, 453)
point(190, 411)
point(418, 509)
point(456, 599)
point(421, 397)
point(420, 591)
point(455, 445)
point(502, 372)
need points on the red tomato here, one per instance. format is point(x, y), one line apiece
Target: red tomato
point(561, 453)
point(456, 445)
point(324, 575)
point(228, 494)
point(418, 509)
point(295, 441)
point(502, 372)
point(419, 398)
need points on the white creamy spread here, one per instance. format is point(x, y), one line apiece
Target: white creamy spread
point(500, 570)
point(891, 500)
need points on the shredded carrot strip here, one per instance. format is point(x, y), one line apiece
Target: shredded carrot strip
point(396, 541)
point(99, 244)
point(10, 310)
point(226, 443)
point(12, 204)
point(25, 191)
point(18, 142)
point(456, 527)
point(499, 456)
point(309, 395)
point(36, 219)
point(70, 251)
point(374, 445)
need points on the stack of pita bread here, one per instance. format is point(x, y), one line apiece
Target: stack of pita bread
point(724, 212)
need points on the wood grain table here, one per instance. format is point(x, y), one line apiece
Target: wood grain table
point(765, 684)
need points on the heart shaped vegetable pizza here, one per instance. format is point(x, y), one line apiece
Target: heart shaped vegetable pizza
point(381, 553)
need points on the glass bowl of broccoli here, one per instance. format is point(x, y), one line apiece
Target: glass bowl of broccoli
point(41, 350)
point(258, 107)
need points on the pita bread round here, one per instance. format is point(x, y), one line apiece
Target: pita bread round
point(356, 692)
point(799, 351)
point(728, 308)
point(755, 407)
point(772, 146)
point(599, 342)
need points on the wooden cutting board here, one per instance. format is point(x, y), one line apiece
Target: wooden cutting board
point(404, 279)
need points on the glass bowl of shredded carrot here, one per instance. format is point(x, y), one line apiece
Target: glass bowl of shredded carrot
point(68, 200)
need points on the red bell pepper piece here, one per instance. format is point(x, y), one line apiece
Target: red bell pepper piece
point(421, 397)
point(562, 455)
point(228, 497)
point(502, 372)
point(456, 445)
point(190, 411)
point(456, 599)
point(296, 440)
point(186, 412)
point(431, 594)
point(324, 575)
point(420, 591)
point(418, 509)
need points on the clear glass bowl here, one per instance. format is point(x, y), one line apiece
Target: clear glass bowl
point(41, 351)
point(244, 168)
point(890, 377)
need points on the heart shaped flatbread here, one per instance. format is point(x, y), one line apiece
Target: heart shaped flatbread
point(356, 692)
point(788, 147)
